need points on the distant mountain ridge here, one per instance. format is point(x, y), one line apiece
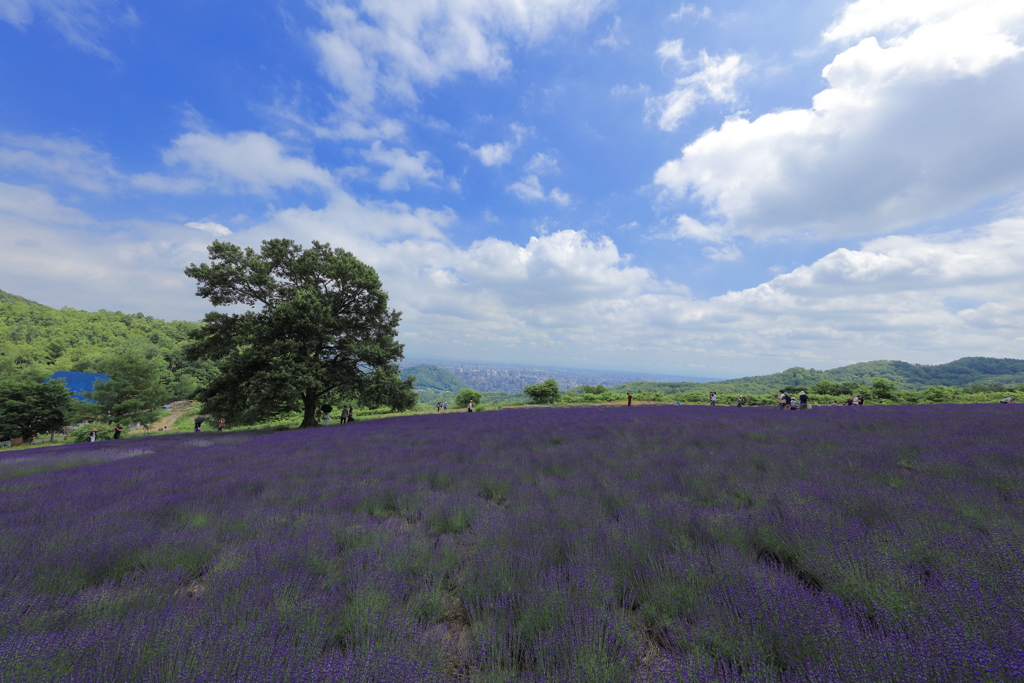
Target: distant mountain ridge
point(512, 378)
point(959, 373)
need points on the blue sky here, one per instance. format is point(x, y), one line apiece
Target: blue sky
point(720, 190)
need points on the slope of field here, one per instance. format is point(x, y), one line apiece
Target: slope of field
point(607, 544)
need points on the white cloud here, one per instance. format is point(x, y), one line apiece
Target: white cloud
point(81, 22)
point(729, 252)
point(498, 153)
point(402, 167)
point(686, 10)
point(392, 45)
point(714, 80)
point(560, 295)
point(542, 164)
point(614, 39)
point(920, 121)
point(687, 227)
point(247, 160)
point(66, 159)
point(26, 203)
point(210, 227)
point(529, 189)
point(61, 256)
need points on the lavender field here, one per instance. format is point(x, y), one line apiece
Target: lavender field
point(596, 544)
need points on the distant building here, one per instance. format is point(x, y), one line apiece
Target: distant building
point(79, 383)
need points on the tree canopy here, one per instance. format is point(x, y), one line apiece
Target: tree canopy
point(134, 390)
point(543, 392)
point(320, 328)
point(28, 408)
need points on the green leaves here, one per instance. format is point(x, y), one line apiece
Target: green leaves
point(322, 327)
point(543, 392)
point(28, 408)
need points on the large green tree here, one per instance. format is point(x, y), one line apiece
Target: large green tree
point(135, 389)
point(28, 408)
point(320, 327)
point(543, 392)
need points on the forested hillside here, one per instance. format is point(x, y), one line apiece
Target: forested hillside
point(36, 341)
point(433, 378)
point(959, 373)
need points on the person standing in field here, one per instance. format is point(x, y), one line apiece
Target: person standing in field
point(803, 400)
point(117, 432)
point(223, 422)
point(351, 413)
point(629, 399)
point(740, 401)
point(445, 405)
point(471, 406)
point(783, 400)
point(714, 398)
point(93, 434)
point(344, 415)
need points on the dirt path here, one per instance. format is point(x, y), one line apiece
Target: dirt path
point(166, 421)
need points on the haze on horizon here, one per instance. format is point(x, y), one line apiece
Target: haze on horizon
point(663, 187)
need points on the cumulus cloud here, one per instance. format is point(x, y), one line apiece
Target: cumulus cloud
point(249, 161)
point(542, 164)
point(709, 79)
point(62, 256)
point(529, 189)
point(921, 118)
point(498, 153)
point(565, 294)
point(402, 167)
point(209, 226)
point(392, 46)
point(82, 22)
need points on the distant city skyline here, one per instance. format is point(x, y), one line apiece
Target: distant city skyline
point(667, 188)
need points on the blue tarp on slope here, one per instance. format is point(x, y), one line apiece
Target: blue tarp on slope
point(79, 382)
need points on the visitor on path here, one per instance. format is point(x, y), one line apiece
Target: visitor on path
point(351, 413)
point(439, 406)
point(803, 400)
point(223, 423)
point(858, 401)
point(714, 398)
point(629, 399)
point(93, 434)
point(117, 432)
point(344, 415)
point(783, 400)
point(740, 401)
point(198, 425)
point(471, 406)
point(446, 405)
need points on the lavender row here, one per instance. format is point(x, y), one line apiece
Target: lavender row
point(593, 544)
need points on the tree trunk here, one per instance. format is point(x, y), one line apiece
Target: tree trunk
point(309, 409)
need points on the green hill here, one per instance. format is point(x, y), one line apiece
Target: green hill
point(37, 340)
point(433, 378)
point(959, 373)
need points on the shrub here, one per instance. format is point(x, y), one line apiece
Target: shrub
point(543, 392)
point(465, 396)
point(81, 434)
